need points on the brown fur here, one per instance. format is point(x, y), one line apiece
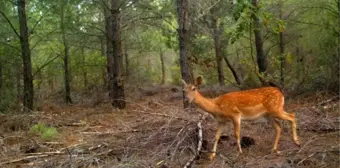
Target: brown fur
point(249, 104)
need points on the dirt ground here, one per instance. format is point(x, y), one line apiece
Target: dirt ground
point(155, 131)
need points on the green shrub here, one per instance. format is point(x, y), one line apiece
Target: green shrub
point(44, 131)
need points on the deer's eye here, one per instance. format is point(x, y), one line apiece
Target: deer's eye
point(193, 88)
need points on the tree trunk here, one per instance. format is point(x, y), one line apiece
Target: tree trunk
point(26, 56)
point(118, 82)
point(281, 43)
point(161, 54)
point(102, 46)
point(103, 53)
point(0, 76)
point(183, 39)
point(84, 67)
point(51, 83)
point(67, 75)
point(18, 82)
point(127, 69)
point(109, 49)
point(261, 58)
point(233, 71)
point(218, 50)
point(339, 29)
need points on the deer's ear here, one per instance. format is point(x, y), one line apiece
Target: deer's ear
point(184, 83)
point(198, 81)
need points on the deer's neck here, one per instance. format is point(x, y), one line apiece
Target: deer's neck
point(206, 104)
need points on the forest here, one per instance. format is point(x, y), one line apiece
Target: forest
point(107, 83)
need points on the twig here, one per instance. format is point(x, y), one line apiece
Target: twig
point(326, 101)
point(121, 132)
point(103, 153)
point(69, 153)
point(199, 146)
point(10, 24)
point(306, 158)
point(163, 115)
point(75, 124)
point(74, 145)
point(96, 147)
point(46, 153)
point(23, 159)
point(312, 139)
point(52, 143)
point(43, 66)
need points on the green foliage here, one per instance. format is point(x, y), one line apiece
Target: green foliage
point(148, 27)
point(45, 132)
point(240, 8)
point(7, 100)
point(175, 75)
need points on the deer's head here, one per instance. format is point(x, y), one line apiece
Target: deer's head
point(191, 89)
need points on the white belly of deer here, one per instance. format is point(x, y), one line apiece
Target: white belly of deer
point(253, 112)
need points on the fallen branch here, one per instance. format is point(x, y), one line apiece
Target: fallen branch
point(47, 153)
point(199, 146)
point(75, 124)
point(104, 153)
point(163, 115)
point(306, 158)
point(128, 131)
point(27, 158)
point(307, 143)
point(97, 147)
point(323, 103)
point(52, 143)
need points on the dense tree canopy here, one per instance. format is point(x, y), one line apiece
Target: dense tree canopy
point(77, 45)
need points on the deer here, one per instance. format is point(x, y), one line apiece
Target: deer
point(236, 106)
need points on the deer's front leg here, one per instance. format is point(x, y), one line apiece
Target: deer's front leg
point(220, 127)
point(237, 126)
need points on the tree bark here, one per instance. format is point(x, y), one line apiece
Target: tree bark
point(127, 66)
point(161, 55)
point(233, 71)
point(102, 45)
point(109, 49)
point(67, 76)
point(118, 82)
point(84, 67)
point(217, 30)
point(26, 57)
point(260, 56)
point(103, 53)
point(339, 29)
point(18, 82)
point(0, 76)
point(281, 43)
point(183, 39)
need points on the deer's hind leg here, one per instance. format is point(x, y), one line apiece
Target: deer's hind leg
point(278, 128)
point(237, 127)
point(291, 118)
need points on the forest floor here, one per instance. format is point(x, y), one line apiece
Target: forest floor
point(154, 131)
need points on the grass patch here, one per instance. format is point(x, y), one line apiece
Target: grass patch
point(45, 132)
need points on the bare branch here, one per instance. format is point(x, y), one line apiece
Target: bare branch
point(42, 39)
point(44, 65)
point(10, 23)
point(9, 45)
point(199, 145)
point(36, 24)
point(206, 11)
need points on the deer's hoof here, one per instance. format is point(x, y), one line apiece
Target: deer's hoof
point(276, 152)
point(297, 142)
point(212, 156)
